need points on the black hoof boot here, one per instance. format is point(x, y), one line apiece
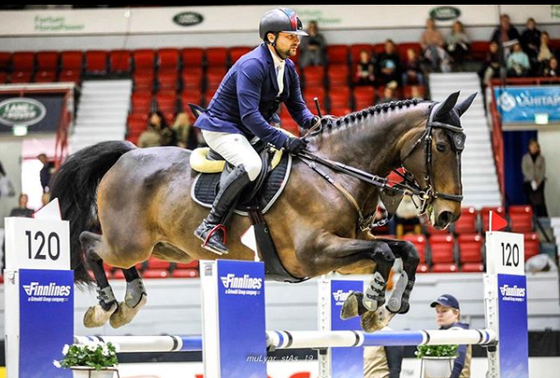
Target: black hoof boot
point(213, 237)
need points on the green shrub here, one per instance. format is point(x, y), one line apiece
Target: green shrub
point(436, 351)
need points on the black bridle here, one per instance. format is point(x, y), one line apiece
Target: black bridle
point(409, 186)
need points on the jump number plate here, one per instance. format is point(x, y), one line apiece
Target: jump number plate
point(505, 253)
point(37, 244)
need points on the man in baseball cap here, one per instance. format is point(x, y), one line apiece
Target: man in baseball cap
point(448, 317)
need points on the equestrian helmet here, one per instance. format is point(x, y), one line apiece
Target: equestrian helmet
point(280, 20)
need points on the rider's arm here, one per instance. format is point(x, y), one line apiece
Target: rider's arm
point(250, 77)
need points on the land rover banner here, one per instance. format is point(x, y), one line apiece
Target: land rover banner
point(38, 113)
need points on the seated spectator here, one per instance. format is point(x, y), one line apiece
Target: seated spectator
point(551, 70)
point(312, 48)
point(432, 43)
point(544, 54)
point(157, 133)
point(412, 74)
point(415, 92)
point(406, 218)
point(518, 62)
point(22, 210)
point(458, 44)
point(388, 64)
point(388, 93)
point(186, 133)
point(531, 40)
point(492, 65)
point(365, 69)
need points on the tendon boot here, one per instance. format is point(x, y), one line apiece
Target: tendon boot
point(211, 231)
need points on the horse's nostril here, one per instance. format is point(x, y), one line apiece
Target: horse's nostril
point(445, 217)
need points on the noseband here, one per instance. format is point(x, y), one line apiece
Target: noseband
point(429, 194)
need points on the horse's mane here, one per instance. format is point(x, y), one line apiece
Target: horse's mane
point(371, 111)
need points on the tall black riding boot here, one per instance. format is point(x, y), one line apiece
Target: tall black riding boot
point(211, 231)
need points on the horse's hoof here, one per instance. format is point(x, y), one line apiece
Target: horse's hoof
point(96, 316)
point(374, 321)
point(350, 307)
point(125, 314)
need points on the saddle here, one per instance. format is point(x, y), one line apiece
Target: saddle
point(263, 193)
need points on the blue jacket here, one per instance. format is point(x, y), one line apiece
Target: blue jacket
point(463, 352)
point(246, 101)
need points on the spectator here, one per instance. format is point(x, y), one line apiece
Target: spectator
point(534, 176)
point(388, 93)
point(458, 44)
point(551, 70)
point(406, 217)
point(187, 135)
point(505, 32)
point(157, 133)
point(416, 92)
point(412, 74)
point(46, 172)
point(432, 43)
point(22, 210)
point(365, 69)
point(492, 65)
point(388, 65)
point(518, 62)
point(383, 361)
point(531, 40)
point(312, 51)
point(544, 54)
point(6, 185)
point(448, 317)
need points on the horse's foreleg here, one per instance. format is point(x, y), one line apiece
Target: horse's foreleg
point(399, 300)
point(135, 299)
point(97, 315)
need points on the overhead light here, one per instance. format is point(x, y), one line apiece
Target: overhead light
point(20, 130)
point(541, 118)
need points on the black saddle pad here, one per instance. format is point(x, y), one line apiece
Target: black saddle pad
point(205, 187)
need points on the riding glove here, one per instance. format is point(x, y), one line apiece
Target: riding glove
point(295, 145)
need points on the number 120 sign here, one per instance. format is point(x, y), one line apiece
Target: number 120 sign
point(37, 244)
point(505, 253)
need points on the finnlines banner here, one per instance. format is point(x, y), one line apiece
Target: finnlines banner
point(46, 302)
point(522, 104)
point(39, 113)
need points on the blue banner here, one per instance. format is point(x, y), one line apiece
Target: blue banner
point(242, 319)
point(345, 362)
point(521, 104)
point(514, 344)
point(46, 321)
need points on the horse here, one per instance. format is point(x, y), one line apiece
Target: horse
point(126, 204)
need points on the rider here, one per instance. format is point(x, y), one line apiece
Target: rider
point(243, 108)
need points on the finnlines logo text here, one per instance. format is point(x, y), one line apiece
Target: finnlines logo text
point(512, 293)
point(246, 282)
point(47, 293)
point(341, 296)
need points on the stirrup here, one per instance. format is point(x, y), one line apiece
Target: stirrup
point(211, 247)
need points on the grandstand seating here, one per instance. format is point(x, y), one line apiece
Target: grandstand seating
point(470, 252)
point(521, 218)
point(467, 223)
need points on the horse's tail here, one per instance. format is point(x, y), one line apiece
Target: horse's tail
point(75, 186)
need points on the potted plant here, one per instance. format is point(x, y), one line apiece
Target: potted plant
point(437, 360)
point(91, 360)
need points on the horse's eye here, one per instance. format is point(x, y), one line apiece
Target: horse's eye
point(441, 147)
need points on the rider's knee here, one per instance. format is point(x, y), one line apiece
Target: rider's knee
point(253, 169)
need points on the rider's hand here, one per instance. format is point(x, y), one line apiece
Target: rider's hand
point(325, 120)
point(295, 145)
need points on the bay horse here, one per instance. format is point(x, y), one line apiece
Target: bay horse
point(126, 204)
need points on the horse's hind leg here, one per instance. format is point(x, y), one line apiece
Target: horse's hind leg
point(135, 299)
point(97, 315)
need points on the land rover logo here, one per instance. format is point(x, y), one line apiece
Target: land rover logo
point(188, 18)
point(445, 13)
point(21, 110)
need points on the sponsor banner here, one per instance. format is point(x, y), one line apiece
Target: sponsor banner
point(228, 19)
point(46, 320)
point(512, 310)
point(242, 327)
point(39, 113)
point(524, 103)
point(345, 362)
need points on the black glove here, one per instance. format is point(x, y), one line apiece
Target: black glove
point(325, 120)
point(295, 145)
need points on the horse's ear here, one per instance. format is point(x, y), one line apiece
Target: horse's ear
point(445, 107)
point(465, 104)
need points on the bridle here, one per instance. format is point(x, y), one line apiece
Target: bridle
point(409, 186)
point(429, 194)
